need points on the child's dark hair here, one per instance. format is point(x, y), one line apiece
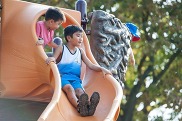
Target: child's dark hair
point(55, 14)
point(70, 30)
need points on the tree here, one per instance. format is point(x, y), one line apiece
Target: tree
point(158, 70)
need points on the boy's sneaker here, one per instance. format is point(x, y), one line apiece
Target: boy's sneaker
point(94, 100)
point(83, 105)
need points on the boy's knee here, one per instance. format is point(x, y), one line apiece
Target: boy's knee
point(68, 88)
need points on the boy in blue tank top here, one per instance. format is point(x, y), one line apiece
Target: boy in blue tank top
point(69, 58)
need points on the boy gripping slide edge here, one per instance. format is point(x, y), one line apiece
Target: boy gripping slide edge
point(69, 58)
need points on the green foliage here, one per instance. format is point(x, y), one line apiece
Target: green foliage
point(157, 75)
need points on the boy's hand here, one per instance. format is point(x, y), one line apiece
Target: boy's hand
point(40, 41)
point(50, 59)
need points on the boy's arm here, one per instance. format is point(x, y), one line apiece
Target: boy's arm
point(57, 52)
point(40, 41)
point(52, 44)
point(37, 29)
point(132, 59)
point(93, 66)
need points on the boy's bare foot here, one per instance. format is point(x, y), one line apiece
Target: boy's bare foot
point(94, 100)
point(83, 105)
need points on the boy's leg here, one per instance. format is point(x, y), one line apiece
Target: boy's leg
point(83, 102)
point(70, 92)
point(94, 100)
point(79, 92)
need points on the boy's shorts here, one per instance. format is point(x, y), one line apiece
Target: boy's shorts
point(74, 83)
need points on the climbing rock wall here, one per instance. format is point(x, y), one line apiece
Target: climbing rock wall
point(110, 42)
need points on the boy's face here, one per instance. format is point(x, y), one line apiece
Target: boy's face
point(53, 25)
point(77, 39)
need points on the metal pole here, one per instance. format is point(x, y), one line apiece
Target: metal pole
point(81, 5)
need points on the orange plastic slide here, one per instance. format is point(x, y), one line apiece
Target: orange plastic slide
point(25, 76)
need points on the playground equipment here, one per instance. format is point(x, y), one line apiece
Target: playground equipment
point(25, 76)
